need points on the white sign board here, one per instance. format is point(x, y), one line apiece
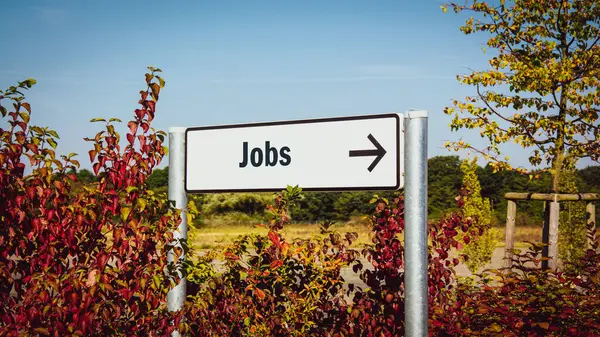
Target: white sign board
point(329, 154)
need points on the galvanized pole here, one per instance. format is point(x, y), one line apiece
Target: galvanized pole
point(415, 222)
point(176, 296)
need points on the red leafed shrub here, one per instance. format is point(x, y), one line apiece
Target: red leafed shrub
point(89, 263)
point(379, 309)
point(529, 301)
point(271, 287)
point(93, 262)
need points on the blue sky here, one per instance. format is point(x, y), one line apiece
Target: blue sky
point(237, 61)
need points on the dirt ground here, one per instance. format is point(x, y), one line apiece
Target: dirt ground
point(461, 269)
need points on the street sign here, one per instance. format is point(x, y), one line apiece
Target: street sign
point(328, 154)
point(348, 153)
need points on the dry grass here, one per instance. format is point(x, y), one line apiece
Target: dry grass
point(532, 234)
point(217, 235)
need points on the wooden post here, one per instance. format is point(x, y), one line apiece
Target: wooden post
point(551, 219)
point(546, 234)
point(550, 234)
point(509, 238)
point(590, 209)
point(553, 242)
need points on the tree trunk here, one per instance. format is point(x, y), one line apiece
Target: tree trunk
point(552, 208)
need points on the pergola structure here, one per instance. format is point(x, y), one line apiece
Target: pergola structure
point(550, 231)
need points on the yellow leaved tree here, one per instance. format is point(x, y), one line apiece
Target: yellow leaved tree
point(541, 89)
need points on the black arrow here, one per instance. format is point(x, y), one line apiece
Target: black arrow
point(379, 152)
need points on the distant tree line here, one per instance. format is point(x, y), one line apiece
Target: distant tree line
point(445, 180)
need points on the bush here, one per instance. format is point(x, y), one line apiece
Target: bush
point(271, 287)
point(530, 301)
point(222, 203)
point(91, 263)
point(572, 222)
point(94, 263)
point(480, 241)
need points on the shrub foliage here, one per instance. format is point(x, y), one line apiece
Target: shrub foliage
point(94, 262)
point(480, 241)
point(91, 263)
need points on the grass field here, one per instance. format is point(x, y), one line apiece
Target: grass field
point(215, 235)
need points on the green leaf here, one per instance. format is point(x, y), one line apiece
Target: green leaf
point(53, 134)
point(161, 81)
point(129, 189)
point(142, 203)
point(24, 116)
point(97, 120)
point(52, 142)
point(114, 120)
point(28, 82)
point(125, 213)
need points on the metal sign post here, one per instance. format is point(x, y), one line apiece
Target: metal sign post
point(177, 194)
point(415, 224)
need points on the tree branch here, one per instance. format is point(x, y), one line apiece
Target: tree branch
point(534, 140)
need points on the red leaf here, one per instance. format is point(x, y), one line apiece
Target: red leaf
point(132, 126)
point(140, 113)
point(276, 264)
point(96, 168)
point(101, 260)
point(259, 293)
point(142, 140)
point(130, 138)
point(274, 237)
point(58, 185)
point(231, 256)
point(155, 90)
point(151, 105)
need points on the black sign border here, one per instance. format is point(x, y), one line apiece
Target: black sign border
point(293, 122)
